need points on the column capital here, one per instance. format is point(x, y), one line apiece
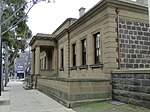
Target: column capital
point(37, 47)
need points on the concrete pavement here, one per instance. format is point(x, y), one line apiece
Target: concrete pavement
point(17, 99)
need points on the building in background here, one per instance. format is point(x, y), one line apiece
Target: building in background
point(22, 65)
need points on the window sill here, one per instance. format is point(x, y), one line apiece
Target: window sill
point(61, 69)
point(96, 66)
point(73, 68)
point(83, 67)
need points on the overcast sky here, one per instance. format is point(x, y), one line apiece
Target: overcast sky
point(46, 17)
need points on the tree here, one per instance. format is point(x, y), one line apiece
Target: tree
point(14, 29)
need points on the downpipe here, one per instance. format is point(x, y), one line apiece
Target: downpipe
point(118, 38)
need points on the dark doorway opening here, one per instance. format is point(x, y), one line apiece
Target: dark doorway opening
point(20, 75)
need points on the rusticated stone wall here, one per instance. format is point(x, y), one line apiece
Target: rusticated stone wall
point(132, 86)
point(134, 44)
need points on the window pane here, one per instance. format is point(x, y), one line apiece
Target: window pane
point(84, 45)
point(97, 52)
point(97, 40)
point(83, 52)
point(74, 60)
point(74, 54)
point(74, 48)
point(84, 58)
point(97, 44)
point(40, 64)
point(45, 64)
point(97, 47)
point(62, 58)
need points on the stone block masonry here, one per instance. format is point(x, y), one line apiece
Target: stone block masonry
point(134, 44)
point(73, 92)
point(132, 86)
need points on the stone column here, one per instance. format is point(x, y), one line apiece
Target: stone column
point(33, 62)
point(30, 78)
point(54, 60)
point(37, 66)
point(37, 60)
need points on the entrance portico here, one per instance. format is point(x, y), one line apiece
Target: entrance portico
point(44, 54)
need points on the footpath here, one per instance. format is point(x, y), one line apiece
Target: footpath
point(16, 99)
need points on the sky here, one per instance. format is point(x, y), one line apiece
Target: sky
point(46, 17)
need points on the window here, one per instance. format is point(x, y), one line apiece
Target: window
point(83, 42)
point(62, 58)
point(45, 63)
point(97, 47)
point(40, 64)
point(74, 54)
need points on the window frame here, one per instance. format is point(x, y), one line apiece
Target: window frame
point(45, 60)
point(62, 58)
point(83, 52)
point(40, 63)
point(74, 54)
point(97, 48)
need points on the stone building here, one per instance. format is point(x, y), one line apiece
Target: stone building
point(22, 65)
point(74, 63)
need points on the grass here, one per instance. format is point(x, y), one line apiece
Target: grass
point(108, 107)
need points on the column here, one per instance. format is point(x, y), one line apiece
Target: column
point(37, 60)
point(33, 62)
point(55, 59)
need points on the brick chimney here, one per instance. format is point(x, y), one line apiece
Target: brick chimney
point(81, 11)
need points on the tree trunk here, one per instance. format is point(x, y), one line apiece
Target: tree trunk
point(6, 65)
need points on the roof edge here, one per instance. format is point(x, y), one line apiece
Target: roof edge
point(41, 36)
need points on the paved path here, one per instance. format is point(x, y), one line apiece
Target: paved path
point(17, 99)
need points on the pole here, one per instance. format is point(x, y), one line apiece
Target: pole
point(1, 76)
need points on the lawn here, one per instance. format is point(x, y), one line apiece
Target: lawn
point(110, 107)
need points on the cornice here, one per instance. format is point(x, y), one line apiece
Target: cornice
point(60, 35)
point(133, 6)
point(68, 19)
point(92, 24)
point(41, 37)
point(98, 7)
point(103, 4)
